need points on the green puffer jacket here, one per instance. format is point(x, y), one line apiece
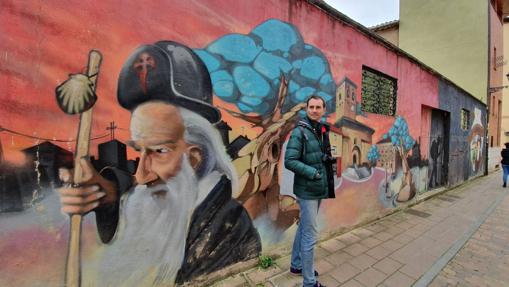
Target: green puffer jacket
point(303, 156)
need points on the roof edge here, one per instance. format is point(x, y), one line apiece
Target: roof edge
point(320, 4)
point(385, 26)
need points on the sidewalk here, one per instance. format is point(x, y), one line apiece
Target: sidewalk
point(415, 247)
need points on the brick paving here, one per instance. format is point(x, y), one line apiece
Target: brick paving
point(404, 248)
point(484, 259)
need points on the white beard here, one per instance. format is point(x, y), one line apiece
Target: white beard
point(150, 244)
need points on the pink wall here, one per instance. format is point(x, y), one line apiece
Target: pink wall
point(41, 43)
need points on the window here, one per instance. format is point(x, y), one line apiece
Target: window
point(493, 105)
point(494, 58)
point(465, 119)
point(378, 92)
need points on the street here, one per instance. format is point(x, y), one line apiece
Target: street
point(457, 238)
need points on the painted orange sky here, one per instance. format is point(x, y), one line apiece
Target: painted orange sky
point(47, 41)
point(43, 42)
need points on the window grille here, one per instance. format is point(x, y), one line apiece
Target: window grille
point(378, 92)
point(465, 119)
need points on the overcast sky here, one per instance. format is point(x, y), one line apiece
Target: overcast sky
point(368, 12)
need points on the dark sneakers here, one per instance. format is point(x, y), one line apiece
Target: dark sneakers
point(296, 271)
point(317, 284)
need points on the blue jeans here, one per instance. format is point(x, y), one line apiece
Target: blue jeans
point(305, 240)
point(506, 173)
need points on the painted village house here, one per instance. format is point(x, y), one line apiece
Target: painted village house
point(399, 129)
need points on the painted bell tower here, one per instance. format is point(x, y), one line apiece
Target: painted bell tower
point(346, 99)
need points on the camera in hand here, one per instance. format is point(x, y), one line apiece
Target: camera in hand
point(328, 159)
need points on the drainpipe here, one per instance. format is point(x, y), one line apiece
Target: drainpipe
point(488, 98)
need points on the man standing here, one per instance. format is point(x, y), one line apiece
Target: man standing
point(505, 163)
point(177, 220)
point(308, 156)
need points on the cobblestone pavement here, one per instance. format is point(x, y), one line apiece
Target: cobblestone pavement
point(484, 260)
point(416, 247)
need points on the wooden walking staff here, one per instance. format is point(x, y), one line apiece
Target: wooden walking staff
point(77, 96)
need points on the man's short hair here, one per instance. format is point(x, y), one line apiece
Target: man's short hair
point(316, 98)
point(507, 144)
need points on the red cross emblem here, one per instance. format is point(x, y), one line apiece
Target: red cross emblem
point(142, 66)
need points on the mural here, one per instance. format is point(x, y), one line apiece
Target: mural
point(476, 141)
point(463, 148)
point(274, 72)
point(208, 112)
point(438, 149)
point(246, 69)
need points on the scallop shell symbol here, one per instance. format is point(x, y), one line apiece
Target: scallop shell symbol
point(76, 95)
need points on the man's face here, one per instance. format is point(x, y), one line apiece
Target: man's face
point(315, 109)
point(157, 132)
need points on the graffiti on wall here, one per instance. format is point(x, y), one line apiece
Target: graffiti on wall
point(268, 73)
point(212, 121)
point(476, 143)
point(246, 69)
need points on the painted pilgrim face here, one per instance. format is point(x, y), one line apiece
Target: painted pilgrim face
point(157, 132)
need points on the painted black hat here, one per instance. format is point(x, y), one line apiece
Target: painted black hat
point(167, 71)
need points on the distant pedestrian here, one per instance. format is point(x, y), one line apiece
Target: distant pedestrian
point(505, 163)
point(308, 155)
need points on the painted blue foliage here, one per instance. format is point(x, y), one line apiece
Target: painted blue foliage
point(249, 82)
point(297, 64)
point(373, 154)
point(235, 48)
point(312, 67)
point(224, 86)
point(326, 79)
point(246, 69)
point(398, 134)
point(277, 35)
point(271, 66)
point(210, 61)
point(220, 75)
point(302, 94)
point(251, 101)
point(325, 96)
point(328, 100)
point(293, 86)
point(244, 108)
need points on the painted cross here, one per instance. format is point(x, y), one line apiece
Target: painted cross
point(142, 65)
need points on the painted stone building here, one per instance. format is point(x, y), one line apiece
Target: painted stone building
point(388, 156)
point(259, 61)
point(351, 138)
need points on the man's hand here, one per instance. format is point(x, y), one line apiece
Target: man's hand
point(95, 190)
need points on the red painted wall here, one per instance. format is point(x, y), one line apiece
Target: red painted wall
point(44, 43)
point(41, 43)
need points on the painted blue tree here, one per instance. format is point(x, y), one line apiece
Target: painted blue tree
point(268, 74)
point(373, 155)
point(401, 139)
point(248, 70)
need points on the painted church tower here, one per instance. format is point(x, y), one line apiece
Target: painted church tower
point(346, 99)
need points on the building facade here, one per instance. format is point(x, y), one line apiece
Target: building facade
point(462, 40)
point(264, 59)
